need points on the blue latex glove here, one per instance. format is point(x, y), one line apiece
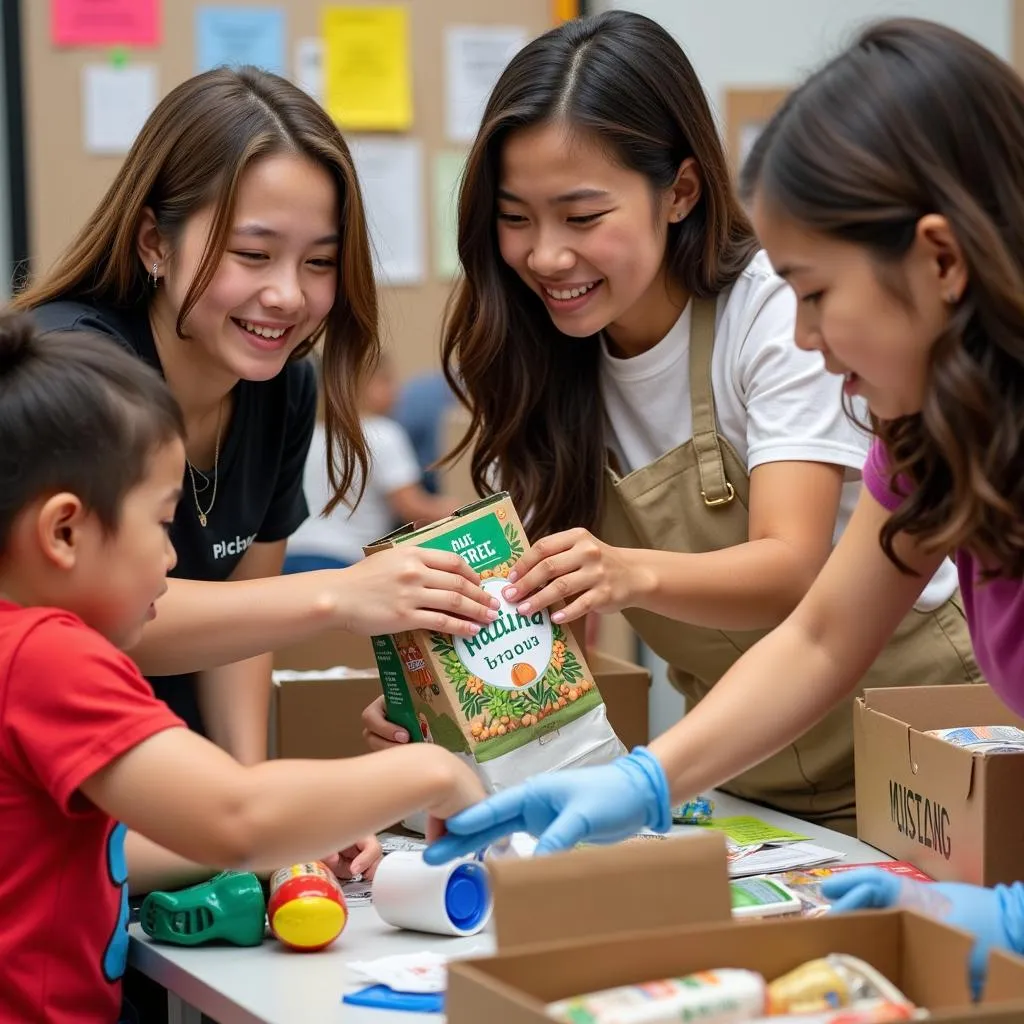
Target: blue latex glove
point(600, 805)
point(994, 916)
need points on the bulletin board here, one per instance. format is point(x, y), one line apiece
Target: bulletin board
point(747, 111)
point(1017, 36)
point(66, 181)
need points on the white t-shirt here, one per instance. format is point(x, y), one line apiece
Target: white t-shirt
point(773, 401)
point(343, 533)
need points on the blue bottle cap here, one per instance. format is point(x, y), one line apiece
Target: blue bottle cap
point(467, 897)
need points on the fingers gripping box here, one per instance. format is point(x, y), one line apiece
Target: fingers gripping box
point(517, 698)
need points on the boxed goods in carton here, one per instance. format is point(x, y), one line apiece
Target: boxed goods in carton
point(515, 699)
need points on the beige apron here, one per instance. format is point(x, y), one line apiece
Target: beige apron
point(694, 498)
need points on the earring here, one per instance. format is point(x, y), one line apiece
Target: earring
point(951, 299)
point(154, 280)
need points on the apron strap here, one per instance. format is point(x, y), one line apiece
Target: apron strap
point(715, 489)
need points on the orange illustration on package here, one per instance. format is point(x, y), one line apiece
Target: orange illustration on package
point(515, 699)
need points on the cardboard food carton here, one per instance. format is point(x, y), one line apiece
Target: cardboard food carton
point(948, 810)
point(317, 713)
point(597, 918)
point(516, 699)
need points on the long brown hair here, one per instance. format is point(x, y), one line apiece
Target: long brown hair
point(533, 394)
point(912, 119)
point(192, 153)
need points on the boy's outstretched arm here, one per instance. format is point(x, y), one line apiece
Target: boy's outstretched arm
point(191, 798)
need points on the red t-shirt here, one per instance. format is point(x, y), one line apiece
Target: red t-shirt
point(70, 703)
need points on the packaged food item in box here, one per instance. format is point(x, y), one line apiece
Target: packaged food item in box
point(712, 997)
point(834, 982)
point(983, 739)
point(515, 699)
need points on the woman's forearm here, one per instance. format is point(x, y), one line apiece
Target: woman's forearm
point(235, 704)
point(780, 688)
point(202, 625)
point(754, 585)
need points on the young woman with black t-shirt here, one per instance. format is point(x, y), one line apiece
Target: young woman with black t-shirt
point(232, 240)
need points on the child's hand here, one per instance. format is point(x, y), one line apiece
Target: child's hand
point(379, 733)
point(359, 859)
point(463, 790)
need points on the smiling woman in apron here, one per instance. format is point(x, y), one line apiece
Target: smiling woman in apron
point(627, 356)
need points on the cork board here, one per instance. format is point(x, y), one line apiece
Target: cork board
point(746, 113)
point(1017, 22)
point(66, 182)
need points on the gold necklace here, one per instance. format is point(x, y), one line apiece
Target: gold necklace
point(216, 461)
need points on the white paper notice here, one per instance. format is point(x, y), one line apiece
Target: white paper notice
point(309, 67)
point(475, 58)
point(391, 177)
point(115, 104)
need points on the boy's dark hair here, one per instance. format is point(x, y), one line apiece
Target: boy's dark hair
point(77, 413)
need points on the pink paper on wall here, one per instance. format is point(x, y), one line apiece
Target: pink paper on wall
point(105, 22)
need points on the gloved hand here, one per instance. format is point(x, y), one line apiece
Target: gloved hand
point(599, 804)
point(994, 916)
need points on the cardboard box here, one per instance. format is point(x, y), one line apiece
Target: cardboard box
point(517, 698)
point(597, 918)
point(626, 690)
point(325, 650)
point(925, 959)
point(318, 713)
point(953, 813)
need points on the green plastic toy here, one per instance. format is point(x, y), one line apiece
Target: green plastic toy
point(230, 907)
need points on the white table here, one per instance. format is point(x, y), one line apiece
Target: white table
point(269, 985)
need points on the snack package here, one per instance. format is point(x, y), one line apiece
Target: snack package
point(762, 896)
point(694, 812)
point(712, 997)
point(837, 981)
point(516, 699)
point(983, 739)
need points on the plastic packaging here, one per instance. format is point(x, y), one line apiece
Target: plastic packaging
point(306, 909)
point(831, 983)
point(694, 812)
point(761, 896)
point(712, 997)
point(451, 899)
point(984, 739)
point(228, 907)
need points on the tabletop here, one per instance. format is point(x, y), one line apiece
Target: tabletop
point(269, 985)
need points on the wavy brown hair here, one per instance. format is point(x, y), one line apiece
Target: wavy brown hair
point(536, 414)
point(913, 119)
point(191, 154)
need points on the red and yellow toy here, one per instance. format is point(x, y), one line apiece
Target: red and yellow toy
point(306, 909)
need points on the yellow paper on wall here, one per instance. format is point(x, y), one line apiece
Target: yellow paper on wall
point(367, 71)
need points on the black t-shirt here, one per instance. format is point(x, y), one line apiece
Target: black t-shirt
point(259, 475)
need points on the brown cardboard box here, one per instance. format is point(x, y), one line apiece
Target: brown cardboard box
point(319, 716)
point(625, 688)
point(596, 918)
point(333, 647)
point(951, 812)
point(925, 959)
point(317, 713)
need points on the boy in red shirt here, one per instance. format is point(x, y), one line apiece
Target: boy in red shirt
point(91, 465)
